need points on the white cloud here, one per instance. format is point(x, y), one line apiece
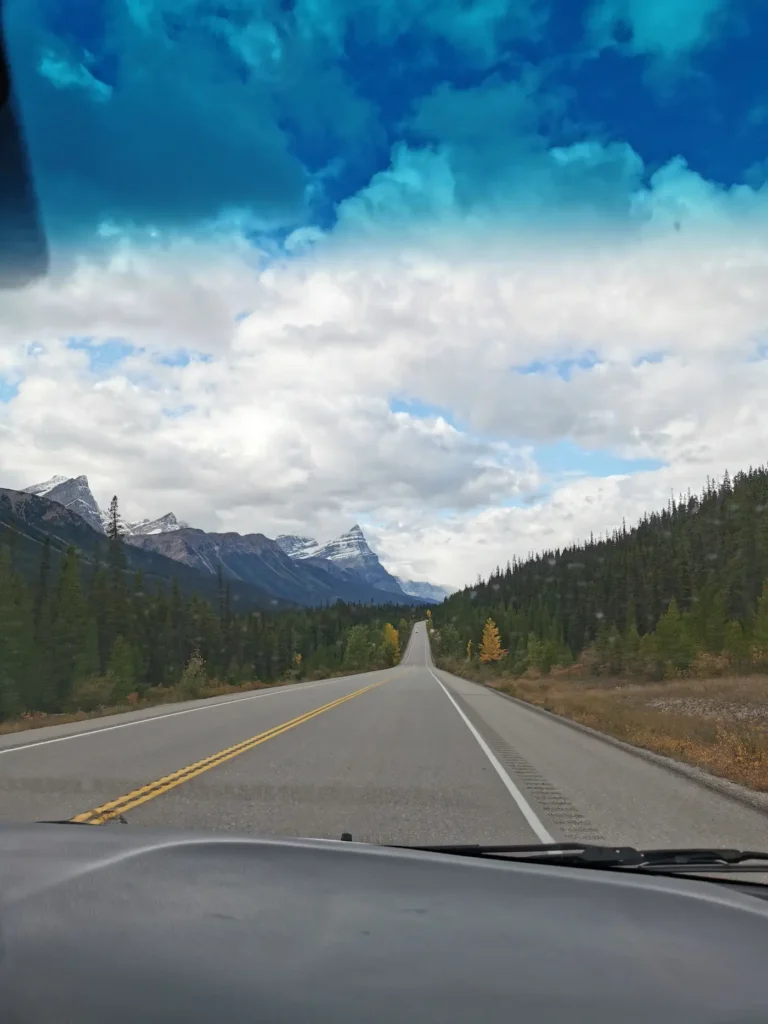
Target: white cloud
point(287, 425)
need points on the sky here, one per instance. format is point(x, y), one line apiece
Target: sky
point(485, 277)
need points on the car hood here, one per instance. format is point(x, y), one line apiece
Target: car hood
point(122, 924)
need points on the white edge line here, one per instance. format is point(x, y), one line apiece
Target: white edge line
point(527, 811)
point(98, 730)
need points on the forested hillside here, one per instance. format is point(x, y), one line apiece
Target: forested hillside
point(680, 590)
point(81, 636)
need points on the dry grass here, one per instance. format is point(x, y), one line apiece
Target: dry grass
point(719, 724)
point(154, 697)
point(157, 696)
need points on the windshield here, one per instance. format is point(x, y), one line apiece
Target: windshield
point(383, 401)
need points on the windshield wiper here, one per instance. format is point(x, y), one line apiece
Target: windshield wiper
point(589, 855)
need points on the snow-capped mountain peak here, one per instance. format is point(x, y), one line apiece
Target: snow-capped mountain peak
point(73, 493)
point(349, 553)
point(47, 486)
point(351, 548)
point(146, 527)
point(297, 547)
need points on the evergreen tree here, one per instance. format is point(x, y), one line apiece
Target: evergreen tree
point(122, 669)
point(357, 649)
point(736, 645)
point(667, 587)
point(490, 645)
point(15, 638)
point(116, 610)
point(760, 626)
point(69, 629)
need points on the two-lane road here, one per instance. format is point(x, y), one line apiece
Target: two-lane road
point(409, 755)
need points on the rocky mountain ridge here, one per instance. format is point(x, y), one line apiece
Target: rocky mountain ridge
point(75, 494)
point(293, 568)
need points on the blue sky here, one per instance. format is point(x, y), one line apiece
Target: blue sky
point(171, 111)
point(520, 243)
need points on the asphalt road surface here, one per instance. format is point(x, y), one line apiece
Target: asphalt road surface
point(408, 755)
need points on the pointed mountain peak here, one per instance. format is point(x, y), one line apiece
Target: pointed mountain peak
point(74, 493)
point(350, 547)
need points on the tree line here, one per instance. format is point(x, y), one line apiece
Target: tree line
point(685, 590)
point(89, 635)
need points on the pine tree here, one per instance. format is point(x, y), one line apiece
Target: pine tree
point(68, 630)
point(449, 644)
point(357, 649)
point(490, 646)
point(736, 645)
point(15, 638)
point(114, 527)
point(115, 618)
point(122, 669)
point(43, 585)
point(675, 645)
point(631, 647)
point(760, 626)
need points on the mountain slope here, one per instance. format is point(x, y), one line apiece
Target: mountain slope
point(293, 568)
point(426, 591)
point(700, 564)
point(297, 547)
point(27, 519)
point(350, 553)
point(73, 493)
point(257, 560)
point(164, 524)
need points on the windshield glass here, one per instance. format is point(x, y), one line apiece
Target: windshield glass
point(373, 379)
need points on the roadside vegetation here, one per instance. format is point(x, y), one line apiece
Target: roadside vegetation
point(657, 635)
point(85, 641)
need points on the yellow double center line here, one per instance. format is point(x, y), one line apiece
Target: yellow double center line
point(114, 808)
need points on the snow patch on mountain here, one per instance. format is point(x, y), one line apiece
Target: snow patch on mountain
point(351, 551)
point(350, 548)
point(347, 557)
point(297, 547)
point(43, 490)
point(75, 494)
point(147, 527)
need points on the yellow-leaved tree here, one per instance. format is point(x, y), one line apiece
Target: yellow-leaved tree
point(391, 644)
point(490, 646)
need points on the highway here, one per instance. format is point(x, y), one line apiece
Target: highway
point(407, 755)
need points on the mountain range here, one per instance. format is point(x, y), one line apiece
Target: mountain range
point(75, 494)
point(289, 569)
point(28, 520)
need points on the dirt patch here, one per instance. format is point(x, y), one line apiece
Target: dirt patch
point(720, 725)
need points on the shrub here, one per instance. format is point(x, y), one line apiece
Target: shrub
point(193, 678)
point(92, 693)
